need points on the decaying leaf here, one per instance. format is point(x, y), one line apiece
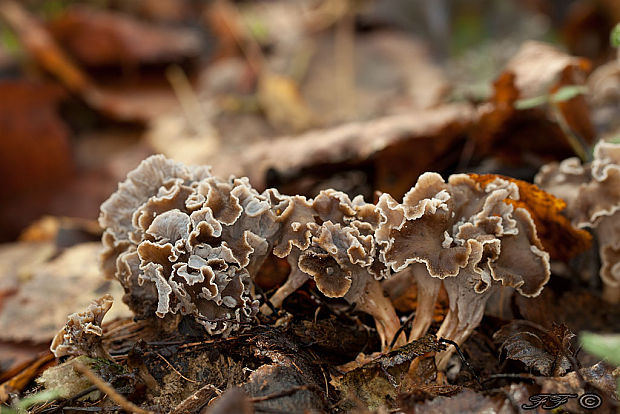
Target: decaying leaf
point(22, 378)
point(234, 400)
point(579, 309)
point(282, 102)
point(69, 282)
point(547, 351)
point(597, 383)
point(118, 103)
point(357, 143)
point(98, 37)
point(559, 237)
point(35, 154)
point(535, 72)
point(467, 401)
point(375, 382)
point(18, 261)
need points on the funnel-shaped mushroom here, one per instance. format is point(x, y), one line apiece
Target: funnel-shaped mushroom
point(468, 238)
point(592, 193)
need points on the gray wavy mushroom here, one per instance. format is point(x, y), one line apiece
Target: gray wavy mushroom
point(592, 195)
point(82, 333)
point(466, 237)
point(183, 242)
point(340, 255)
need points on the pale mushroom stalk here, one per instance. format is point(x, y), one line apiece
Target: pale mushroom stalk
point(376, 304)
point(295, 280)
point(428, 290)
point(464, 315)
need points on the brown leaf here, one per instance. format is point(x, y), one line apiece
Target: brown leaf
point(558, 236)
point(375, 382)
point(547, 351)
point(537, 70)
point(579, 309)
point(126, 105)
point(38, 42)
point(35, 153)
point(25, 375)
point(598, 379)
point(357, 143)
point(106, 38)
point(282, 102)
point(54, 290)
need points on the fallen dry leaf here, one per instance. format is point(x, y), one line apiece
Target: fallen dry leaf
point(547, 351)
point(20, 379)
point(96, 37)
point(69, 282)
point(35, 153)
point(18, 261)
point(374, 381)
point(558, 236)
point(282, 103)
point(598, 380)
point(467, 401)
point(359, 142)
point(133, 105)
point(537, 70)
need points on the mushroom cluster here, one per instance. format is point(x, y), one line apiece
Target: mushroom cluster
point(592, 195)
point(182, 241)
point(467, 236)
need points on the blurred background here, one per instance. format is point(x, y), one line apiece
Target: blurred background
point(302, 95)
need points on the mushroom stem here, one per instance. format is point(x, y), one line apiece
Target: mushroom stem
point(295, 280)
point(428, 290)
point(374, 302)
point(466, 312)
point(611, 294)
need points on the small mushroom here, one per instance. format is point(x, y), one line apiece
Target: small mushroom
point(82, 333)
point(592, 193)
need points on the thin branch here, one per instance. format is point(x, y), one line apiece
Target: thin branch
point(109, 390)
point(174, 369)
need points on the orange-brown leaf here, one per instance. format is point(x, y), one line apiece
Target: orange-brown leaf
point(556, 233)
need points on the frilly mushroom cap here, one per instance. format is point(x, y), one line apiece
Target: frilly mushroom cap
point(444, 225)
point(592, 192)
point(81, 335)
point(338, 257)
point(601, 196)
point(182, 241)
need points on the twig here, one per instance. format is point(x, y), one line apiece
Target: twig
point(174, 369)
point(77, 396)
point(400, 330)
point(195, 401)
point(522, 377)
point(462, 356)
point(109, 390)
